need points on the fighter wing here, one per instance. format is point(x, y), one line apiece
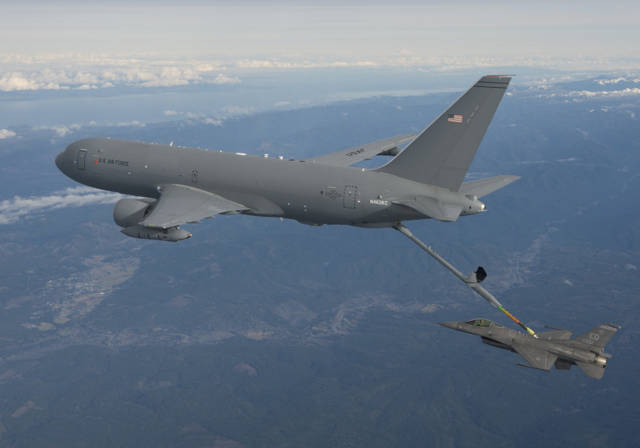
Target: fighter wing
point(538, 359)
point(555, 333)
point(179, 204)
point(347, 157)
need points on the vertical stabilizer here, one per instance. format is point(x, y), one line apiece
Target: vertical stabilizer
point(598, 336)
point(442, 153)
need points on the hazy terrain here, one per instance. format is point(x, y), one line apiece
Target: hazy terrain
point(261, 332)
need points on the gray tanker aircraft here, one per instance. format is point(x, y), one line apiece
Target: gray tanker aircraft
point(549, 348)
point(177, 185)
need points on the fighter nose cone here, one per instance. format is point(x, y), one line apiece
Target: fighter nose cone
point(60, 160)
point(452, 325)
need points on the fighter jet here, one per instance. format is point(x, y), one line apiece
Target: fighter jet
point(177, 185)
point(550, 347)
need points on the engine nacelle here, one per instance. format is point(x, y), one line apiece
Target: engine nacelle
point(173, 234)
point(130, 212)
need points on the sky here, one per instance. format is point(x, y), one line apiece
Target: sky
point(232, 48)
point(375, 32)
point(116, 63)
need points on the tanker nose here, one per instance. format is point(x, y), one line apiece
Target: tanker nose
point(60, 161)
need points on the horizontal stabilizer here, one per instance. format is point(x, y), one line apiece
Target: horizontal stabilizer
point(432, 208)
point(350, 156)
point(591, 370)
point(483, 187)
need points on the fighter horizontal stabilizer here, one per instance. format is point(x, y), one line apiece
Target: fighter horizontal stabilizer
point(179, 204)
point(595, 371)
point(432, 208)
point(350, 156)
point(483, 187)
point(538, 359)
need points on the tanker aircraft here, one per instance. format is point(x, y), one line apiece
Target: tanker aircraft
point(174, 185)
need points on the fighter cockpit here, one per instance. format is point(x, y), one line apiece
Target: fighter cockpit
point(481, 322)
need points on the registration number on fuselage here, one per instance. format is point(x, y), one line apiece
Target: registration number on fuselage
point(112, 161)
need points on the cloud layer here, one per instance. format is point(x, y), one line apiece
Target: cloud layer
point(92, 71)
point(6, 133)
point(63, 72)
point(12, 210)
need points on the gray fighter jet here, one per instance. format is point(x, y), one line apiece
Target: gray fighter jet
point(550, 347)
point(177, 185)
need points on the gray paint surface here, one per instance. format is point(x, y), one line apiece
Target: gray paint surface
point(187, 184)
point(549, 348)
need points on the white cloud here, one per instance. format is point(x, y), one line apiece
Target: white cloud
point(63, 72)
point(213, 121)
point(134, 123)
point(231, 111)
point(604, 82)
point(6, 133)
point(319, 63)
point(17, 81)
point(170, 112)
point(224, 79)
point(605, 93)
point(60, 130)
point(549, 86)
point(11, 210)
point(95, 71)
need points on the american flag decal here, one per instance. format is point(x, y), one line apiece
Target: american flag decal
point(454, 118)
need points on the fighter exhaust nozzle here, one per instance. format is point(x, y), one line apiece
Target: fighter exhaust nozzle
point(601, 361)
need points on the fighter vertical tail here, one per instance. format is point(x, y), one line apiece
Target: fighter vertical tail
point(598, 336)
